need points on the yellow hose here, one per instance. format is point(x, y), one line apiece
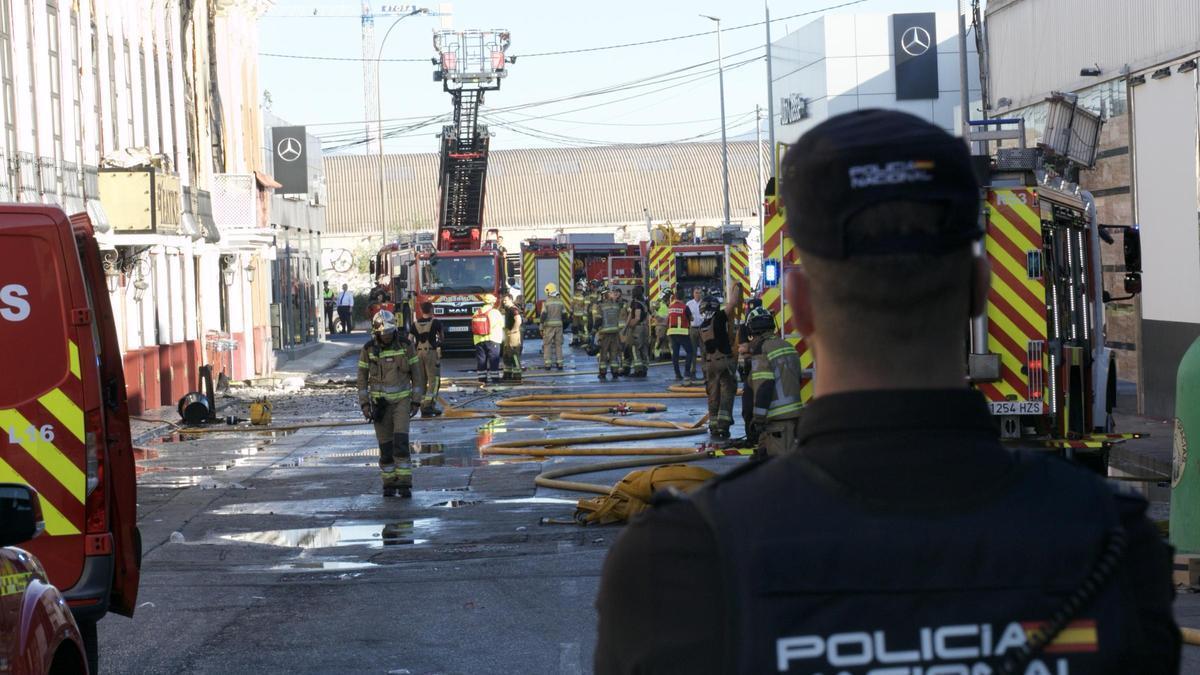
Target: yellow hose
point(586, 452)
point(588, 440)
point(549, 479)
point(1191, 636)
point(623, 422)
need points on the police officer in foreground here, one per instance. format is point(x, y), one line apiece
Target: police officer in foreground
point(900, 534)
point(391, 385)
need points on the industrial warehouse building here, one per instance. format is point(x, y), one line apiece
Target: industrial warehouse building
point(538, 192)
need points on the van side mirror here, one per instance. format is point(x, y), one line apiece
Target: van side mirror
point(1133, 283)
point(20, 514)
point(1133, 253)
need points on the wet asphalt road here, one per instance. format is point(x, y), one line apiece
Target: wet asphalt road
point(276, 553)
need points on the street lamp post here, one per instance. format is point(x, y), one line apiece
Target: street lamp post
point(379, 119)
point(724, 141)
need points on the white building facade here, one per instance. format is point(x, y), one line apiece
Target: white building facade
point(131, 110)
point(844, 62)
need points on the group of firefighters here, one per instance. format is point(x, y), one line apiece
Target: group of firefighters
point(399, 371)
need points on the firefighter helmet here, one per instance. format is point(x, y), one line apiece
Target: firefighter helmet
point(710, 304)
point(383, 324)
point(551, 289)
point(760, 321)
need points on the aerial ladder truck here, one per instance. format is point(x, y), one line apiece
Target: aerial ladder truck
point(464, 262)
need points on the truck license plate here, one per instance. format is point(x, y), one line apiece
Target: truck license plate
point(456, 329)
point(1016, 407)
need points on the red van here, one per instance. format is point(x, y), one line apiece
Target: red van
point(64, 424)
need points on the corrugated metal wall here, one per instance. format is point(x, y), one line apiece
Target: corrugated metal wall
point(553, 186)
point(1038, 46)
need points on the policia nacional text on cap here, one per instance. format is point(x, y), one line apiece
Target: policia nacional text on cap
point(899, 533)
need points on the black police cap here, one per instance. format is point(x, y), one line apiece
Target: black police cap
point(860, 159)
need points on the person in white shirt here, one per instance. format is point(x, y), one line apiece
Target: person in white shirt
point(345, 308)
point(693, 307)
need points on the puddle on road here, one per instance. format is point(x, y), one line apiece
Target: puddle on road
point(322, 566)
point(349, 533)
point(302, 507)
point(457, 503)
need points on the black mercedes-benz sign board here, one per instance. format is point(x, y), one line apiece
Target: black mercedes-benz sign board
point(290, 160)
point(914, 42)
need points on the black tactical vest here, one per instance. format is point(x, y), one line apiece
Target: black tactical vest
point(825, 580)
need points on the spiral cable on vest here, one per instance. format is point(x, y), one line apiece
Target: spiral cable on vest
point(1017, 660)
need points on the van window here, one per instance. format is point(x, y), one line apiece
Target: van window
point(33, 318)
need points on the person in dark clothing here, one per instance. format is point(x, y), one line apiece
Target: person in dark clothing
point(899, 533)
point(719, 382)
point(427, 335)
point(745, 352)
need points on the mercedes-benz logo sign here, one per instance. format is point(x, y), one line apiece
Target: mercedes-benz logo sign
point(288, 149)
point(915, 41)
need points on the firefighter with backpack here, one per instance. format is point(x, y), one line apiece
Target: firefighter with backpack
point(391, 385)
point(487, 332)
point(553, 313)
point(775, 379)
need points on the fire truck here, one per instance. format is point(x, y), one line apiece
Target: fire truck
point(1038, 354)
point(715, 261)
point(462, 263)
point(545, 261)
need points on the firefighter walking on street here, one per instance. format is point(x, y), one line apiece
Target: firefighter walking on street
point(428, 334)
point(391, 385)
point(608, 335)
point(775, 381)
point(679, 331)
point(639, 338)
point(510, 350)
point(553, 313)
point(719, 382)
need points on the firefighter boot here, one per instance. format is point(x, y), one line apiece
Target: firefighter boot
point(430, 409)
point(403, 471)
point(387, 473)
point(603, 376)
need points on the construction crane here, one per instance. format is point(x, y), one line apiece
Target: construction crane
point(371, 58)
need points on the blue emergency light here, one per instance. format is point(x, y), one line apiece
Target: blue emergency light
point(770, 273)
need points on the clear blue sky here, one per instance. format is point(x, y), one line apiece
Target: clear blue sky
point(328, 95)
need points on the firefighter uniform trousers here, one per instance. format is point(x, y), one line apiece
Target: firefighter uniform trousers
point(389, 377)
point(639, 342)
point(553, 311)
point(777, 404)
point(609, 338)
point(720, 383)
point(510, 350)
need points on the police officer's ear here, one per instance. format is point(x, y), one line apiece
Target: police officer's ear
point(981, 281)
point(798, 289)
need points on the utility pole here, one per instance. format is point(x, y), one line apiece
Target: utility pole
point(724, 140)
point(770, 93)
point(758, 144)
point(964, 83)
point(379, 111)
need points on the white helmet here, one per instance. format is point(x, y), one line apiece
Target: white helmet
point(383, 324)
